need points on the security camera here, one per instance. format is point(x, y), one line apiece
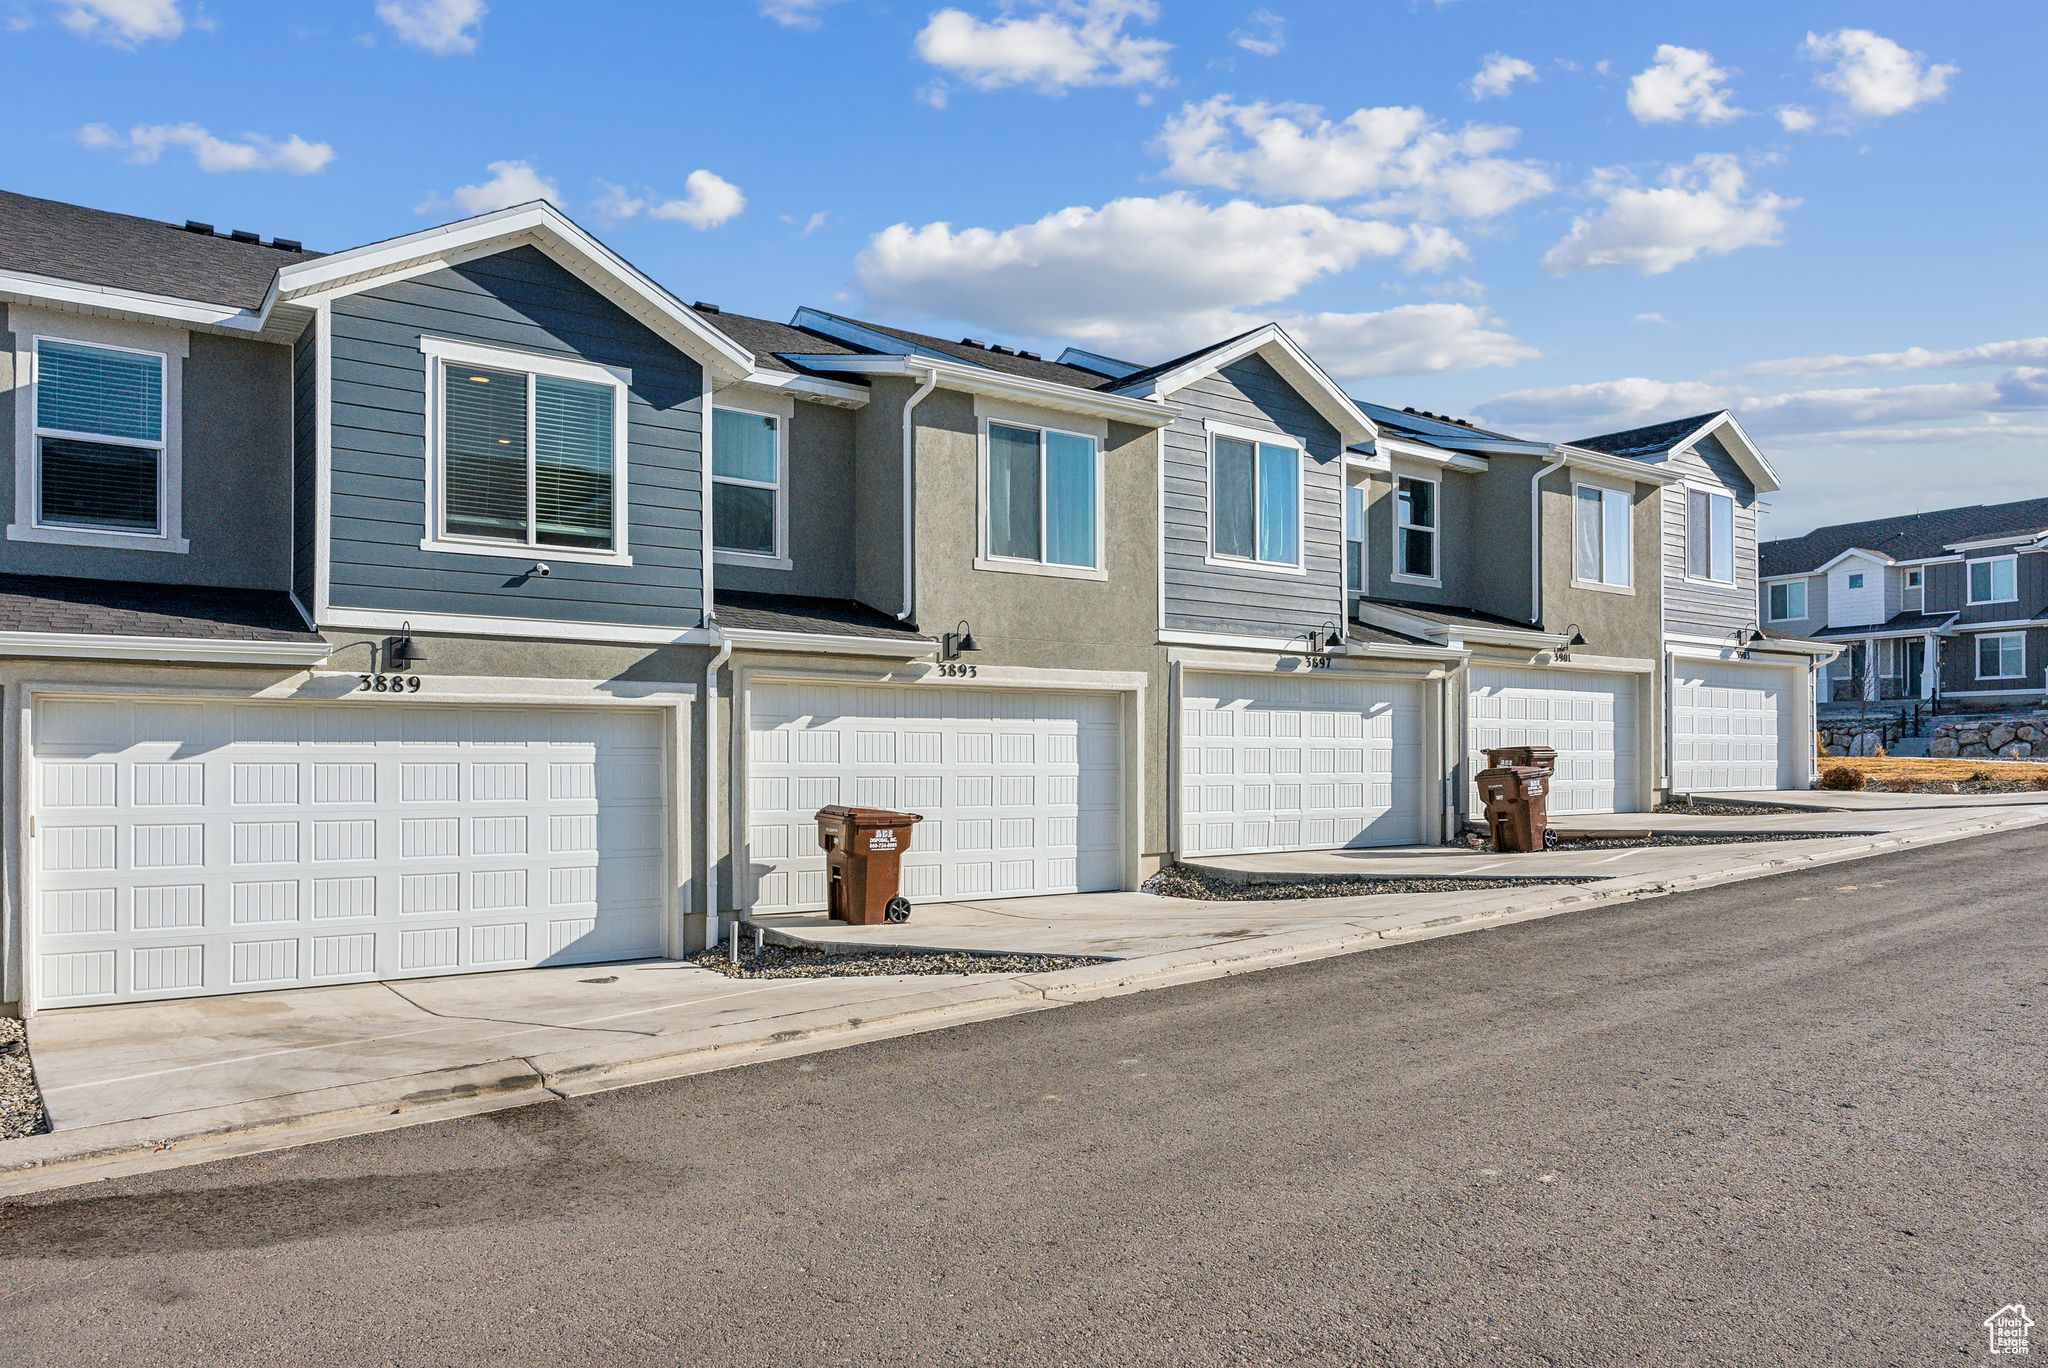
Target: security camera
point(543, 569)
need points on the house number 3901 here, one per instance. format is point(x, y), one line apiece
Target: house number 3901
point(383, 683)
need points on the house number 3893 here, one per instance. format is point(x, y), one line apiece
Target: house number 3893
point(950, 670)
point(383, 683)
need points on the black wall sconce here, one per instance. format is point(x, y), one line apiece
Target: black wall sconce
point(1573, 641)
point(401, 652)
point(956, 642)
point(1746, 637)
point(1328, 637)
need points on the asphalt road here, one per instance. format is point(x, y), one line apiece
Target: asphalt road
point(1799, 1120)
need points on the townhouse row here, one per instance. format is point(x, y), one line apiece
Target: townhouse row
point(468, 601)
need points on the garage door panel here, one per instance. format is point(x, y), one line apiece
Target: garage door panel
point(276, 845)
point(1275, 763)
point(1589, 718)
point(1021, 791)
point(1732, 726)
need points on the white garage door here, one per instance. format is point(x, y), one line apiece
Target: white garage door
point(1299, 763)
point(1021, 792)
point(1731, 726)
point(1588, 719)
point(190, 848)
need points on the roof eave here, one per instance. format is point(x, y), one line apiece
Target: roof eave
point(1338, 409)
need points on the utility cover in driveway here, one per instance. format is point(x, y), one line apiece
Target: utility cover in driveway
point(1307, 761)
point(190, 848)
point(1021, 791)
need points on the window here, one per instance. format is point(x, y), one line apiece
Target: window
point(1040, 497)
point(99, 439)
point(1254, 500)
point(1856, 580)
point(2002, 655)
point(1916, 579)
point(1415, 528)
point(529, 450)
point(1788, 601)
point(747, 515)
point(1601, 546)
point(1994, 581)
point(1354, 539)
point(1710, 536)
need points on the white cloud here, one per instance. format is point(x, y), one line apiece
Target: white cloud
point(1497, 76)
point(1701, 208)
point(1796, 118)
point(1147, 275)
point(795, 13)
point(1569, 412)
point(1264, 34)
point(1412, 339)
point(145, 145)
point(2025, 352)
point(1659, 319)
point(123, 23)
point(707, 201)
point(510, 183)
point(1048, 45)
point(1396, 153)
point(1873, 75)
point(1681, 83)
point(447, 27)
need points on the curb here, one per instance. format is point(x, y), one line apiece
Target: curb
point(64, 1159)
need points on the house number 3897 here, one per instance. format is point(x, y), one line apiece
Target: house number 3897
point(383, 683)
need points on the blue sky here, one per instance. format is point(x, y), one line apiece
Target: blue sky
point(1558, 218)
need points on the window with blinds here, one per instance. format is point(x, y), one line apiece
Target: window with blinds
point(530, 459)
point(99, 434)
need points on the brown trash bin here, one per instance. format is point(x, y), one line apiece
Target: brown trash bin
point(864, 863)
point(1517, 799)
point(1543, 757)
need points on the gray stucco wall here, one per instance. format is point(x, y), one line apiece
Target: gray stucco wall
point(820, 491)
point(878, 495)
point(1695, 606)
point(522, 300)
point(236, 490)
point(1244, 600)
point(1628, 625)
point(1460, 540)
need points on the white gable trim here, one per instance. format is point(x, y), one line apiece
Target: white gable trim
point(1853, 553)
point(1746, 452)
point(545, 227)
point(1294, 365)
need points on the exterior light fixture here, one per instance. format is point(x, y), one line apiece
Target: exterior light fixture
point(1573, 640)
point(401, 652)
point(957, 642)
point(1328, 637)
point(1746, 637)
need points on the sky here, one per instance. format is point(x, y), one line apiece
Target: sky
point(1555, 218)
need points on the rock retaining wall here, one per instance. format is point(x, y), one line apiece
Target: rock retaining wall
point(1860, 735)
point(2006, 738)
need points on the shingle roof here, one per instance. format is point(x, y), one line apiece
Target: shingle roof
point(1009, 362)
point(1139, 377)
point(769, 340)
point(1897, 622)
point(1371, 634)
point(1643, 440)
point(50, 603)
point(1912, 536)
point(94, 247)
point(1452, 614)
point(758, 612)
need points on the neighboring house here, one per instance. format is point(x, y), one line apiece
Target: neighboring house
point(1741, 698)
point(1950, 605)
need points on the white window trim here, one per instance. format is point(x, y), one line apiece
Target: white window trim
point(1916, 578)
point(1977, 653)
point(1435, 578)
point(1364, 539)
point(30, 329)
point(1969, 586)
point(984, 559)
point(1628, 568)
point(1805, 599)
point(1734, 541)
point(441, 351)
point(1298, 566)
point(778, 559)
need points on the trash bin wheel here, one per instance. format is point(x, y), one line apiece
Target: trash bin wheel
point(898, 910)
point(1550, 841)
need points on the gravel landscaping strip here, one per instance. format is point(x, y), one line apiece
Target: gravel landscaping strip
point(793, 961)
point(21, 1104)
point(1178, 881)
point(1707, 807)
point(1662, 838)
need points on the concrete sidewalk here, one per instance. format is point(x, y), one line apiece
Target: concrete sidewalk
point(143, 1086)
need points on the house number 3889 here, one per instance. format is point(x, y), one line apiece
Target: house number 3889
point(382, 683)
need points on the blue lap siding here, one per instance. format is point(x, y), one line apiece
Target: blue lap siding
point(521, 300)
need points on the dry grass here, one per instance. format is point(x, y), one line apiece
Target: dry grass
point(1923, 771)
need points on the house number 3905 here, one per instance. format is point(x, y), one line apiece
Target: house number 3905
point(382, 683)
